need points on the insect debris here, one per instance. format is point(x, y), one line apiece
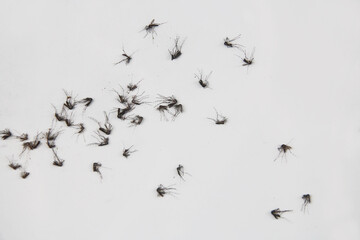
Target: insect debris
point(57, 161)
point(80, 128)
point(50, 137)
point(121, 98)
point(165, 104)
point(248, 60)
point(86, 101)
point(127, 151)
point(121, 112)
point(176, 51)
point(132, 86)
point(229, 42)
point(162, 191)
point(60, 116)
point(127, 58)
point(31, 145)
point(137, 120)
point(138, 99)
point(70, 102)
point(69, 120)
point(101, 140)
point(151, 28)
point(5, 134)
point(96, 168)
point(283, 149)
point(24, 174)
point(23, 137)
point(307, 201)
point(220, 119)
point(277, 212)
point(203, 80)
point(181, 172)
point(14, 165)
point(107, 126)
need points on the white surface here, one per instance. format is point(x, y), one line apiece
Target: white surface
point(304, 85)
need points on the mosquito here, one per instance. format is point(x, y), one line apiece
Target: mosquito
point(24, 174)
point(122, 98)
point(138, 99)
point(80, 128)
point(121, 112)
point(128, 151)
point(181, 172)
point(178, 109)
point(277, 212)
point(162, 109)
point(5, 134)
point(169, 101)
point(132, 86)
point(176, 51)
point(283, 149)
point(127, 58)
point(60, 116)
point(86, 101)
point(137, 120)
point(106, 127)
point(14, 165)
point(229, 42)
point(96, 168)
point(31, 145)
point(307, 201)
point(220, 119)
point(23, 137)
point(248, 60)
point(70, 101)
point(50, 137)
point(203, 80)
point(151, 28)
point(101, 140)
point(57, 161)
point(162, 191)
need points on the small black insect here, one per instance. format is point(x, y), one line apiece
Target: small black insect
point(96, 168)
point(24, 174)
point(169, 101)
point(121, 112)
point(101, 140)
point(80, 128)
point(162, 191)
point(220, 119)
point(5, 134)
point(23, 137)
point(248, 60)
point(122, 98)
point(181, 172)
point(283, 149)
point(69, 120)
point(137, 120)
point(277, 213)
point(138, 99)
point(70, 101)
point(203, 80)
point(162, 109)
point(127, 58)
point(132, 86)
point(60, 116)
point(176, 51)
point(57, 161)
point(86, 101)
point(128, 151)
point(229, 42)
point(14, 165)
point(178, 108)
point(151, 28)
point(106, 127)
point(50, 137)
point(307, 201)
point(31, 145)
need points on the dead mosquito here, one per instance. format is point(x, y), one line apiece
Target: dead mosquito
point(57, 161)
point(96, 168)
point(14, 165)
point(101, 140)
point(229, 42)
point(50, 137)
point(122, 98)
point(169, 101)
point(80, 128)
point(162, 109)
point(283, 149)
point(248, 60)
point(121, 112)
point(137, 120)
point(31, 145)
point(70, 101)
point(86, 101)
point(176, 51)
point(162, 191)
point(127, 151)
point(5, 134)
point(132, 86)
point(203, 80)
point(181, 172)
point(60, 116)
point(277, 212)
point(106, 127)
point(138, 99)
point(127, 58)
point(178, 109)
point(151, 28)
point(24, 174)
point(69, 120)
point(23, 137)
point(307, 201)
point(220, 119)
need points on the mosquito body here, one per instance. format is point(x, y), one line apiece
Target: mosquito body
point(50, 137)
point(220, 119)
point(137, 120)
point(283, 150)
point(307, 201)
point(203, 80)
point(277, 212)
point(127, 58)
point(23, 137)
point(162, 191)
point(101, 140)
point(5, 134)
point(14, 166)
point(150, 29)
point(176, 51)
point(96, 168)
point(127, 151)
point(24, 174)
point(230, 42)
point(57, 161)
point(86, 101)
point(70, 101)
point(248, 60)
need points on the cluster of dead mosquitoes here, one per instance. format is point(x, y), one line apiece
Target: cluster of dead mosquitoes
point(167, 106)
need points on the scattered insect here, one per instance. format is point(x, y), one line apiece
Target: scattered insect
point(277, 213)
point(181, 172)
point(283, 149)
point(169, 101)
point(23, 137)
point(57, 161)
point(203, 81)
point(5, 134)
point(122, 98)
point(162, 191)
point(96, 168)
point(121, 112)
point(132, 86)
point(128, 151)
point(86, 101)
point(14, 165)
point(137, 120)
point(70, 101)
point(178, 109)
point(162, 109)
point(60, 116)
point(307, 201)
point(229, 42)
point(138, 99)
point(127, 58)
point(248, 60)
point(106, 127)
point(80, 128)
point(31, 145)
point(24, 174)
point(50, 137)
point(101, 140)
point(69, 120)
point(151, 28)
point(220, 119)
point(176, 51)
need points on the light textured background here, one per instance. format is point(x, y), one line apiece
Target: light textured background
point(303, 88)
